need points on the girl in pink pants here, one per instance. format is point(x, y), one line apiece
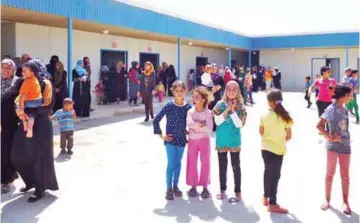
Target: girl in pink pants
point(200, 124)
point(337, 144)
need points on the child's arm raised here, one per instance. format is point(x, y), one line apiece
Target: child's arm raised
point(219, 117)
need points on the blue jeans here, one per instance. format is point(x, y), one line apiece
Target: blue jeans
point(248, 93)
point(174, 157)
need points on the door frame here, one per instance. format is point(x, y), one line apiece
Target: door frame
point(118, 51)
point(323, 58)
point(158, 56)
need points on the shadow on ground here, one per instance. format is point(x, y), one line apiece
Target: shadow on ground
point(29, 212)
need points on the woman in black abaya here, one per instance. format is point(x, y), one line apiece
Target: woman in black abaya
point(9, 122)
point(33, 158)
point(81, 92)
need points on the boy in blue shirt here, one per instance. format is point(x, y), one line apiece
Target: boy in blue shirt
point(307, 93)
point(65, 118)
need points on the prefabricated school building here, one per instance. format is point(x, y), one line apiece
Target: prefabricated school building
point(108, 30)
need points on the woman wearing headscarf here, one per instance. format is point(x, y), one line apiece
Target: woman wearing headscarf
point(134, 82)
point(81, 92)
point(109, 91)
point(9, 122)
point(34, 158)
point(277, 78)
point(51, 67)
point(121, 81)
point(171, 78)
point(60, 84)
point(87, 67)
point(147, 89)
point(218, 85)
point(164, 74)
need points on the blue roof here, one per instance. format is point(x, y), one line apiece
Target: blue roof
point(120, 14)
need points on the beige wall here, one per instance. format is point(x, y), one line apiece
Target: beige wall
point(7, 39)
point(295, 65)
point(42, 42)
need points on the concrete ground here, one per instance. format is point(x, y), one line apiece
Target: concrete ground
point(117, 174)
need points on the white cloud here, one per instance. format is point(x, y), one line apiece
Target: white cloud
point(265, 17)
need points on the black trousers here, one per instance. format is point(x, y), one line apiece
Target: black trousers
point(235, 163)
point(307, 97)
point(148, 101)
point(133, 99)
point(67, 140)
point(322, 105)
point(272, 174)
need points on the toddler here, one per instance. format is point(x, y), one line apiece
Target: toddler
point(307, 93)
point(160, 89)
point(99, 91)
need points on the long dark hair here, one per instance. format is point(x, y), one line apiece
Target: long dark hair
point(275, 96)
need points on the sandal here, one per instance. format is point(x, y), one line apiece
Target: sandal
point(205, 193)
point(235, 199)
point(325, 205)
point(177, 192)
point(169, 195)
point(346, 209)
point(221, 196)
point(192, 192)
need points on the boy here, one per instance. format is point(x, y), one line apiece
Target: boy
point(65, 118)
point(307, 93)
point(354, 85)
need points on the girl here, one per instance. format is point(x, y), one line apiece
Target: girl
point(191, 79)
point(200, 124)
point(337, 144)
point(175, 137)
point(354, 84)
point(147, 89)
point(133, 82)
point(99, 91)
point(230, 116)
point(160, 91)
point(275, 129)
point(248, 86)
point(268, 78)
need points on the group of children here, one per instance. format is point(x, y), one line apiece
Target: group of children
point(229, 115)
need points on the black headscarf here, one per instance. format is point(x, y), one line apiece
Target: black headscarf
point(51, 67)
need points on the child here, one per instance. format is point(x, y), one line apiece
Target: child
point(230, 116)
point(99, 91)
point(354, 84)
point(175, 137)
point(30, 97)
point(317, 78)
point(307, 93)
point(337, 144)
point(191, 79)
point(200, 124)
point(248, 86)
point(160, 91)
point(206, 79)
point(275, 130)
point(65, 118)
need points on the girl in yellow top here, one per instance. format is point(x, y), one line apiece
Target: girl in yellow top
point(268, 78)
point(275, 129)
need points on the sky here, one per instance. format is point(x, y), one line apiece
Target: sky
point(265, 17)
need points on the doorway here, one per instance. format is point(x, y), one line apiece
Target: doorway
point(152, 57)
point(333, 63)
point(111, 57)
point(255, 58)
point(201, 61)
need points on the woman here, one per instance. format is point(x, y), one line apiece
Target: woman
point(277, 78)
point(171, 78)
point(147, 89)
point(9, 122)
point(218, 85)
point(133, 82)
point(164, 76)
point(34, 158)
point(87, 67)
point(108, 80)
point(59, 83)
point(121, 81)
point(51, 67)
point(81, 92)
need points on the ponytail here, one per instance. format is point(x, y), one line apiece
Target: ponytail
point(282, 113)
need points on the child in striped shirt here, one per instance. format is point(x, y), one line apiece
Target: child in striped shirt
point(65, 118)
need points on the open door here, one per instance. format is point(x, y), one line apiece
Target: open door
point(201, 61)
point(112, 57)
point(152, 57)
point(316, 66)
point(334, 64)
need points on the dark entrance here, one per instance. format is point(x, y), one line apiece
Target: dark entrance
point(152, 57)
point(112, 57)
point(201, 61)
point(255, 58)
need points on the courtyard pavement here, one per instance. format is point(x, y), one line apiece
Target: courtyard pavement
point(117, 174)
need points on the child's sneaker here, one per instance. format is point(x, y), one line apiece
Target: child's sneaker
point(177, 192)
point(205, 193)
point(70, 152)
point(192, 192)
point(62, 152)
point(275, 208)
point(169, 195)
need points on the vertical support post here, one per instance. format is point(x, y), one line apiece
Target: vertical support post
point(249, 60)
point(179, 58)
point(346, 57)
point(229, 56)
point(69, 55)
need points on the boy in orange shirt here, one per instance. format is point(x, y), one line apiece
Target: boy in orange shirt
point(30, 98)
